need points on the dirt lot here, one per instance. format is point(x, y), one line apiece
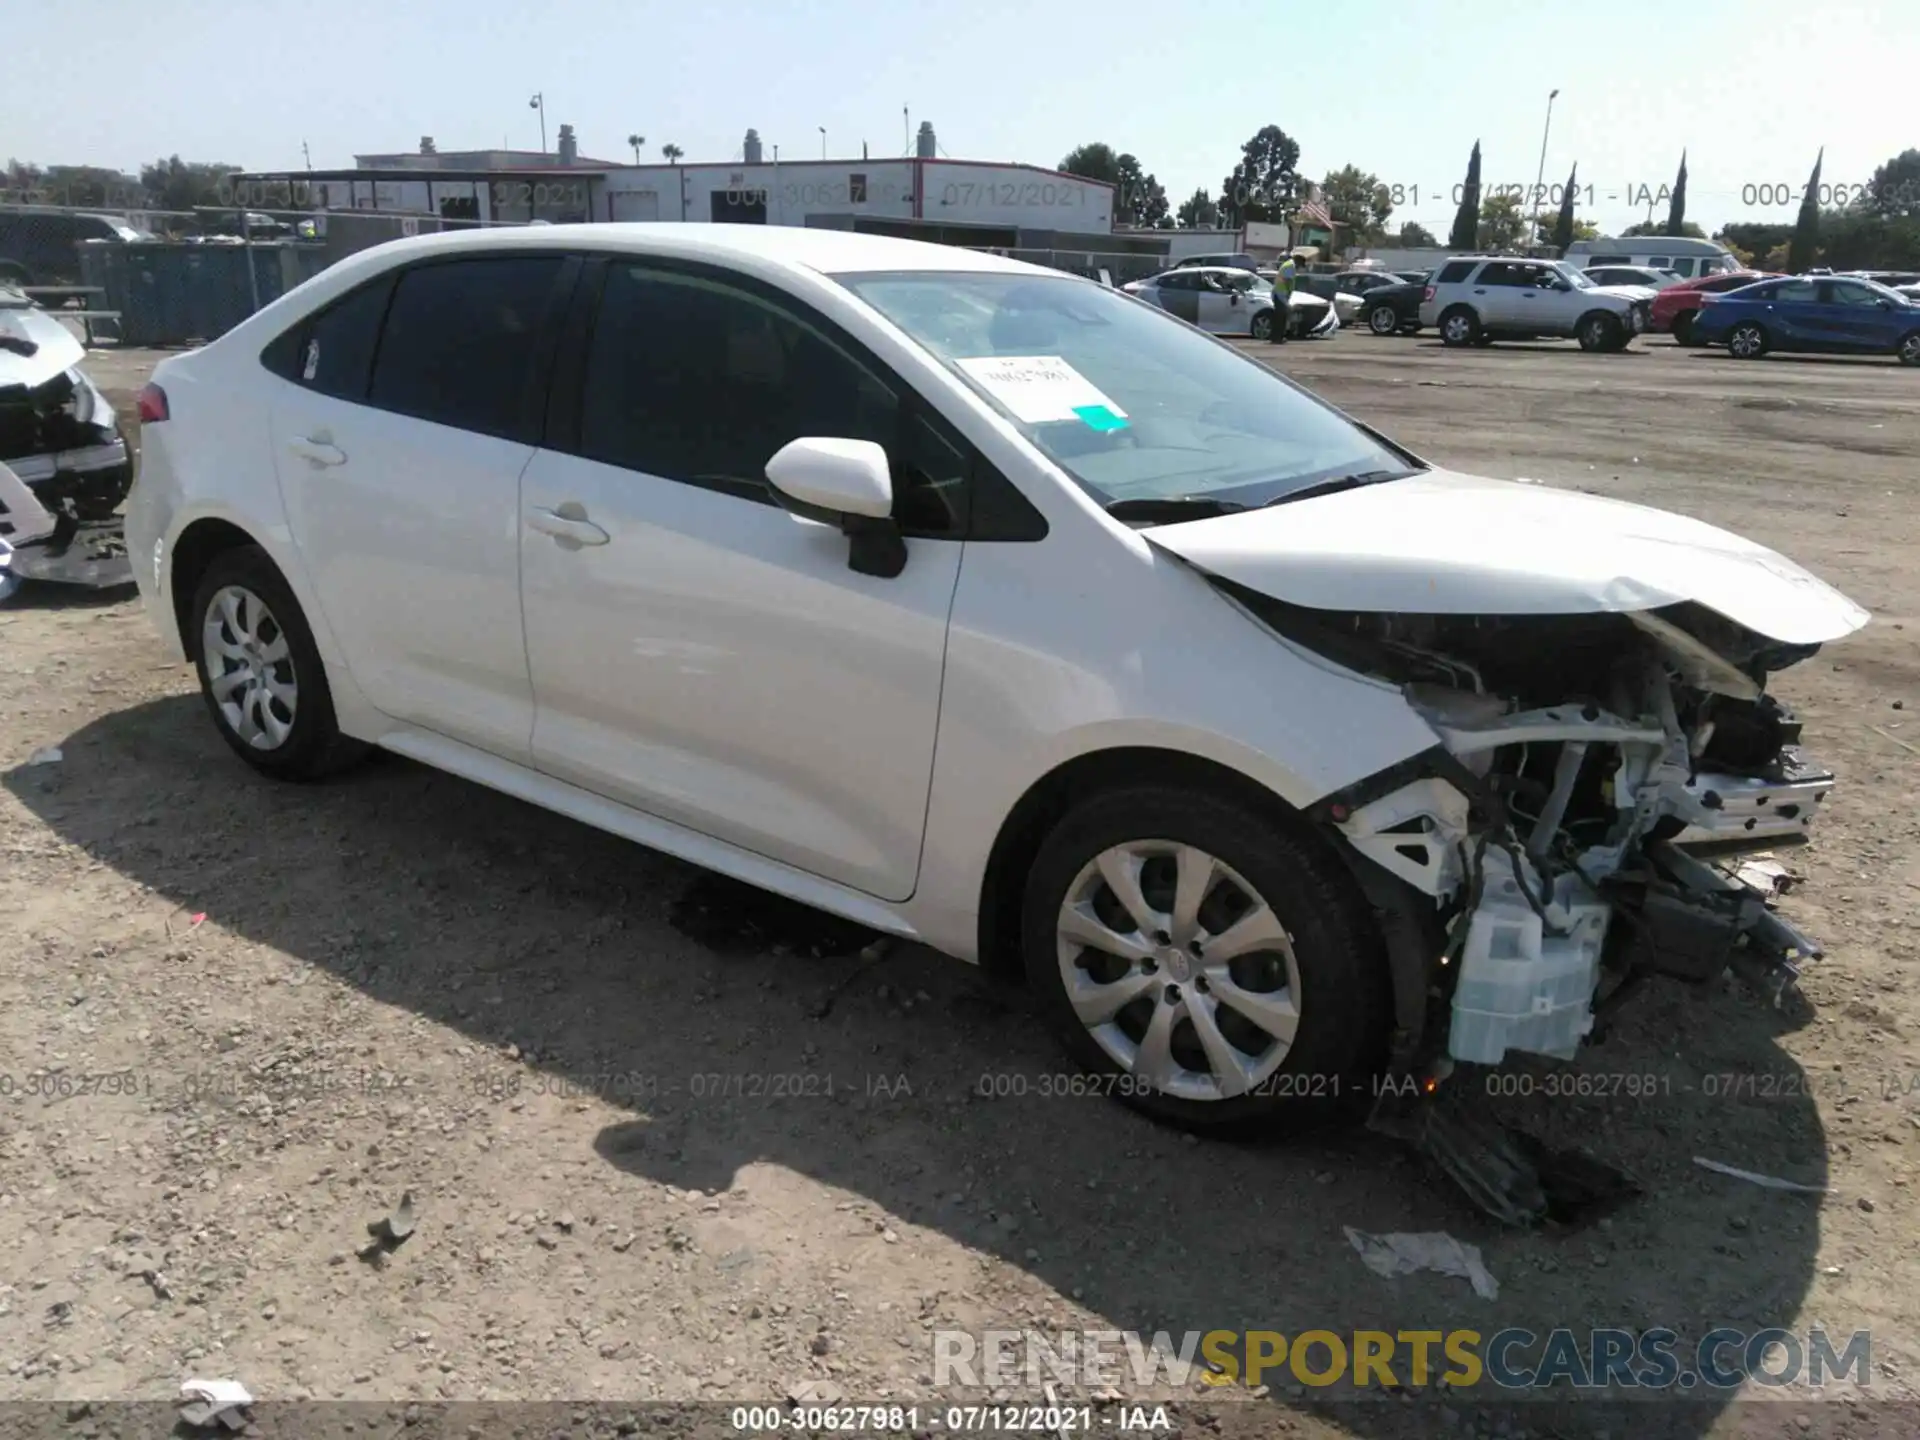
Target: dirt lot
point(278, 1009)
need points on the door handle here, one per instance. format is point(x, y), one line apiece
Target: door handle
point(317, 451)
point(568, 525)
point(1479, 292)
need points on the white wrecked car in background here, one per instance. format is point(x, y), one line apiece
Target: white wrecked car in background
point(65, 467)
point(1293, 770)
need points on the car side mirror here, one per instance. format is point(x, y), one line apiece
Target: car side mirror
point(847, 483)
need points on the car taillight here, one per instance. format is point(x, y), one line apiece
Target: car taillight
point(1429, 294)
point(153, 404)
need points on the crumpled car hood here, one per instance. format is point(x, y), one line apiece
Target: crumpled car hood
point(54, 350)
point(1442, 543)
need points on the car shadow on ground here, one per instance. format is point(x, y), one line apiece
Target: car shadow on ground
point(429, 893)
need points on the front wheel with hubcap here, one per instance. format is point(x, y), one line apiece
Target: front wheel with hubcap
point(1602, 332)
point(260, 672)
point(1909, 351)
point(1261, 327)
point(1747, 342)
point(1683, 328)
point(1210, 967)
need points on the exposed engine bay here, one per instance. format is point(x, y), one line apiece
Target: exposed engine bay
point(1562, 838)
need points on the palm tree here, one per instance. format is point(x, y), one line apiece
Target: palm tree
point(636, 141)
point(673, 153)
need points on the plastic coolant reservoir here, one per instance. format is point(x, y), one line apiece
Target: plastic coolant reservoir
point(1520, 988)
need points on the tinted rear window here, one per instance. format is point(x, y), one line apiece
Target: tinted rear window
point(1455, 271)
point(459, 343)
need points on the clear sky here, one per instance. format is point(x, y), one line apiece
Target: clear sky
point(1750, 88)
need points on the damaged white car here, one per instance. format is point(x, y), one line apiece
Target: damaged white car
point(997, 610)
point(65, 466)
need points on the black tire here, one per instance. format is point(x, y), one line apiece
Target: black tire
point(1909, 349)
point(1343, 997)
point(313, 746)
point(1683, 328)
point(1261, 326)
point(1384, 320)
point(1748, 341)
point(1598, 330)
point(1460, 327)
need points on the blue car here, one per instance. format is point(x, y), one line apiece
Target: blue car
point(1835, 315)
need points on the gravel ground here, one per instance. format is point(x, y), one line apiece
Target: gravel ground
point(277, 1010)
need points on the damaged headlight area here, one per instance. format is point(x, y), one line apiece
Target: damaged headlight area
point(1564, 832)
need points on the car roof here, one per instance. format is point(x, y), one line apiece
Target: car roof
point(828, 252)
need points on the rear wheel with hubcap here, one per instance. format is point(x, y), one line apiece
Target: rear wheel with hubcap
point(1211, 968)
point(1459, 326)
point(1383, 320)
point(260, 672)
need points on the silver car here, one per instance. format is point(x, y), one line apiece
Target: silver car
point(1223, 300)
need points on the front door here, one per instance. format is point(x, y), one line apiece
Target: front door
point(407, 415)
point(1854, 317)
point(698, 652)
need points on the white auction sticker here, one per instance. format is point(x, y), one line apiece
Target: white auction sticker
point(1043, 388)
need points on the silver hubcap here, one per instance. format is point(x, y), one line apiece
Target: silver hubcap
point(1910, 349)
point(1385, 321)
point(1745, 342)
point(1458, 329)
point(249, 668)
point(1179, 970)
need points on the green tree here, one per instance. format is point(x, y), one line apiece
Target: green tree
point(1502, 226)
point(90, 185)
point(636, 140)
point(1357, 201)
point(1806, 228)
point(1139, 200)
point(174, 184)
point(671, 153)
point(1894, 189)
point(1688, 229)
point(1415, 236)
point(1263, 185)
point(1466, 219)
point(1098, 161)
point(1677, 206)
point(1198, 212)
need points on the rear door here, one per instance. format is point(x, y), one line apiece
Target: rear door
point(1795, 317)
point(1495, 293)
point(411, 406)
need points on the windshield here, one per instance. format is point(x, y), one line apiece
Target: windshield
point(1575, 276)
point(1130, 402)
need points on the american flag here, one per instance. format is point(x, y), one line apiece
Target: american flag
point(1314, 213)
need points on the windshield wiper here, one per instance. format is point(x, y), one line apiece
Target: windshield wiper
point(1339, 483)
point(1172, 508)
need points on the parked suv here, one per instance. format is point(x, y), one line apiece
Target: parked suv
point(1475, 300)
point(41, 247)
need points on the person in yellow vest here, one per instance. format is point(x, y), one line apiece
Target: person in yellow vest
point(1282, 302)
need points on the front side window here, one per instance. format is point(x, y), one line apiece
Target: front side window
point(459, 344)
point(693, 379)
point(1127, 402)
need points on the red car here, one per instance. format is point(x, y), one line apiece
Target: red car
point(1675, 306)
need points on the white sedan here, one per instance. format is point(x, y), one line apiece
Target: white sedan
point(1223, 300)
point(990, 608)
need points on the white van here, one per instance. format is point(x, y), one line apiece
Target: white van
point(1688, 259)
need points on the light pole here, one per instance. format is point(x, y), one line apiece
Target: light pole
point(823, 140)
point(539, 102)
point(1541, 174)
